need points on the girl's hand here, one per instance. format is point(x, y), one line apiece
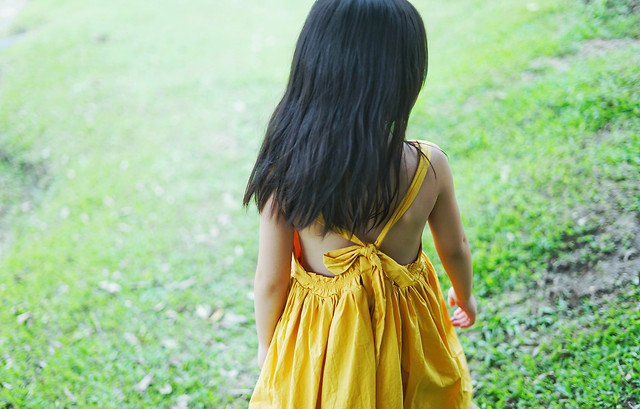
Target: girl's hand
point(465, 315)
point(262, 354)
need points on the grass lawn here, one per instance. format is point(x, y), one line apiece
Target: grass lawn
point(128, 131)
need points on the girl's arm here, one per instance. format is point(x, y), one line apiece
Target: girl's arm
point(271, 283)
point(451, 243)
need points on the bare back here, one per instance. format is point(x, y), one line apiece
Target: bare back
point(403, 240)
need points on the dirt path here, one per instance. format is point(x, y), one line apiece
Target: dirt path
point(9, 9)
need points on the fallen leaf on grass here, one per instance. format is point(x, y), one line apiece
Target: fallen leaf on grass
point(224, 220)
point(230, 374)
point(628, 255)
point(24, 317)
point(181, 285)
point(181, 402)
point(169, 343)
point(217, 315)
point(239, 392)
point(140, 284)
point(131, 338)
point(203, 311)
point(144, 383)
point(109, 286)
point(176, 360)
point(231, 319)
point(124, 227)
point(201, 238)
point(239, 106)
point(63, 288)
point(157, 189)
point(108, 201)
point(70, 395)
point(81, 332)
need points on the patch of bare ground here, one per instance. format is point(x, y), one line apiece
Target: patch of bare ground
point(588, 49)
point(600, 264)
point(606, 262)
point(604, 259)
point(600, 46)
point(20, 182)
point(600, 261)
point(9, 9)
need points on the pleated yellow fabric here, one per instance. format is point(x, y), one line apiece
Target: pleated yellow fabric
point(377, 335)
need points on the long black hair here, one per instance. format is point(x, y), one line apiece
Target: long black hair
point(334, 144)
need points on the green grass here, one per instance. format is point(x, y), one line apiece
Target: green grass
point(127, 133)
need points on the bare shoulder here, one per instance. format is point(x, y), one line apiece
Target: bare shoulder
point(427, 194)
point(438, 183)
point(440, 164)
point(426, 146)
point(438, 161)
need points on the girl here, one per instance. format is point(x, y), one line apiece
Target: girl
point(356, 318)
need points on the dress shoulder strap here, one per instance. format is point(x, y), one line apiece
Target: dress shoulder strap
point(414, 188)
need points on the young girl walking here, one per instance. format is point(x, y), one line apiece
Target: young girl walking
point(349, 311)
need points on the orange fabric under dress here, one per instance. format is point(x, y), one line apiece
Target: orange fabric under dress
point(377, 335)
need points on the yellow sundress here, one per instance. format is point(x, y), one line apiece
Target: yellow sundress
point(377, 335)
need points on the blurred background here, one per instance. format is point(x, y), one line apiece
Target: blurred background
point(128, 131)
